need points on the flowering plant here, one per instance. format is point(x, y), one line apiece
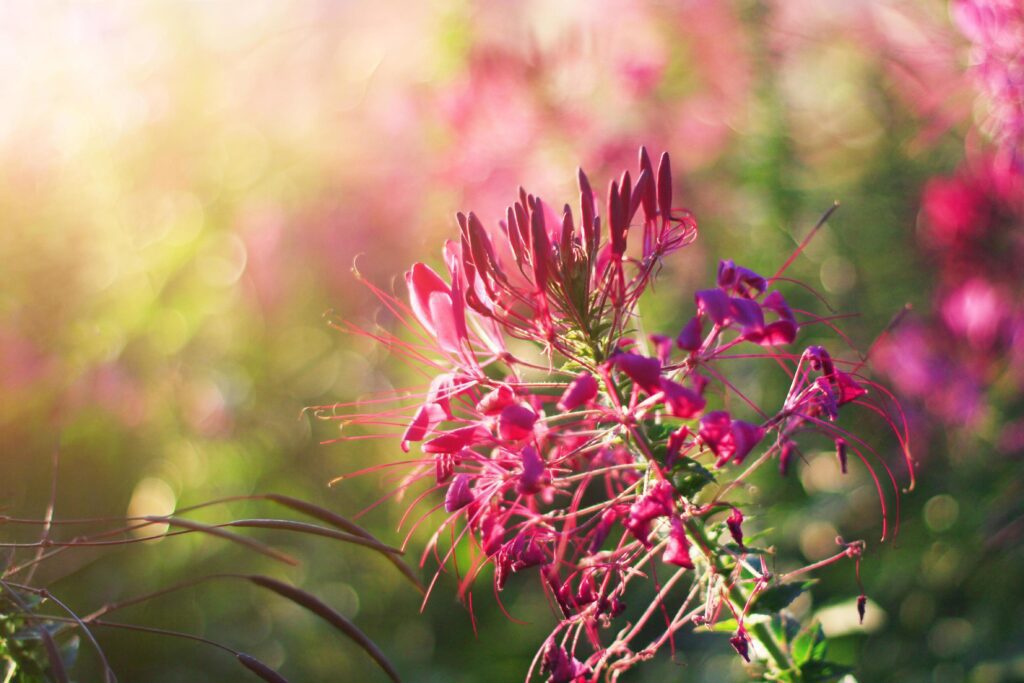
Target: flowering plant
point(570, 446)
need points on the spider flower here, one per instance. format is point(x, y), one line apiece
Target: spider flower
point(569, 450)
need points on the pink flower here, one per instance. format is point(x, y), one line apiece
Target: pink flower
point(566, 452)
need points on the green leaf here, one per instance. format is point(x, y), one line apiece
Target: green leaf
point(784, 627)
point(657, 431)
point(804, 643)
point(724, 626)
point(689, 477)
point(779, 597)
point(819, 671)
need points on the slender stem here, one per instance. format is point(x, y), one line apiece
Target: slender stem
point(740, 596)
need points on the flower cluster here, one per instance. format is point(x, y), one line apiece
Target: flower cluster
point(569, 447)
point(953, 358)
point(996, 31)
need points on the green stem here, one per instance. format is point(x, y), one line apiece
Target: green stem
point(739, 596)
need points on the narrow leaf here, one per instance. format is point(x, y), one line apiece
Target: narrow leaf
point(249, 543)
point(334, 519)
point(260, 669)
point(328, 614)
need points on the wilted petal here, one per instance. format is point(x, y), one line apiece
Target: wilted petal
point(735, 524)
point(739, 643)
point(785, 456)
point(841, 454)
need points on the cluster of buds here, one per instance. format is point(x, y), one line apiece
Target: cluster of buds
point(567, 447)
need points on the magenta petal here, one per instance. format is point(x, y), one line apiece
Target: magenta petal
point(646, 372)
point(658, 502)
point(692, 336)
point(425, 419)
point(677, 550)
point(423, 282)
point(749, 315)
point(745, 436)
point(774, 301)
point(459, 495)
point(496, 400)
point(716, 433)
point(680, 401)
point(663, 347)
point(713, 303)
point(849, 390)
point(748, 283)
point(580, 391)
point(778, 333)
point(516, 422)
point(445, 326)
point(533, 477)
point(454, 441)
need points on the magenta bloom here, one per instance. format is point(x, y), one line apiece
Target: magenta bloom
point(570, 450)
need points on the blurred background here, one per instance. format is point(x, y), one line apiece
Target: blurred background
point(185, 187)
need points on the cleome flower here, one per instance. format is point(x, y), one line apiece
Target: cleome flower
point(568, 448)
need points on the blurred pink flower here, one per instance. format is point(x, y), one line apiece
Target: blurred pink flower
point(996, 31)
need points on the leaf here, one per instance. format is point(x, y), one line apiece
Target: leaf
point(779, 597)
point(261, 548)
point(260, 669)
point(783, 626)
point(657, 431)
point(804, 643)
point(820, 647)
point(314, 529)
point(328, 614)
point(336, 520)
point(57, 669)
point(724, 626)
point(689, 477)
point(819, 671)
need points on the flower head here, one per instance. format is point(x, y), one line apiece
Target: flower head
point(571, 450)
